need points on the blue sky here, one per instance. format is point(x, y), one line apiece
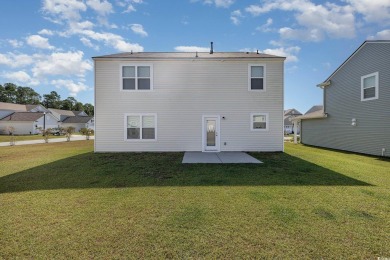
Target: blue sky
point(48, 44)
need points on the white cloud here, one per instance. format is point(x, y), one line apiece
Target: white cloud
point(88, 43)
point(38, 41)
point(288, 52)
point(62, 63)
point(76, 27)
point(316, 20)
point(191, 49)
point(220, 3)
point(377, 11)
point(113, 40)
point(20, 77)
point(313, 35)
point(138, 29)
point(15, 43)
point(235, 17)
point(129, 4)
point(265, 27)
point(382, 35)
point(16, 60)
point(68, 11)
point(103, 7)
point(65, 9)
point(70, 85)
point(130, 8)
point(46, 32)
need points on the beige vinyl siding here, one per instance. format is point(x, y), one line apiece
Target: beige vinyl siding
point(184, 91)
point(21, 128)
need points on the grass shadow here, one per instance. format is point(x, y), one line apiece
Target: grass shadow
point(117, 170)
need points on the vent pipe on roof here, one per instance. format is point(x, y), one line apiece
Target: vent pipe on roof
point(212, 48)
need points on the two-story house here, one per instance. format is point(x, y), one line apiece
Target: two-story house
point(217, 101)
point(355, 116)
point(25, 119)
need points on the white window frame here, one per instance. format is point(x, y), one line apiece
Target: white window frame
point(140, 115)
point(266, 122)
point(376, 74)
point(136, 65)
point(250, 77)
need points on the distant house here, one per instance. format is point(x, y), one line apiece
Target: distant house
point(200, 101)
point(355, 115)
point(76, 119)
point(25, 119)
point(79, 122)
point(289, 115)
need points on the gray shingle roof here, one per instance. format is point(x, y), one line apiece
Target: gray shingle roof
point(23, 116)
point(314, 112)
point(77, 119)
point(65, 112)
point(188, 55)
point(314, 109)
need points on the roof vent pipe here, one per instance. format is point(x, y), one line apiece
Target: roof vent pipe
point(212, 48)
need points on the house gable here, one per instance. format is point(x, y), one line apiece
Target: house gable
point(188, 90)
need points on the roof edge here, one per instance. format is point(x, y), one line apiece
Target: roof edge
point(350, 57)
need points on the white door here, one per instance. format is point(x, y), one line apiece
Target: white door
point(211, 133)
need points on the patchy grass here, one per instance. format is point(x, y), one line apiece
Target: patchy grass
point(63, 201)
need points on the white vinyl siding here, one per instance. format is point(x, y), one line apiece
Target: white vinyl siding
point(259, 121)
point(256, 77)
point(369, 87)
point(184, 91)
point(136, 77)
point(140, 127)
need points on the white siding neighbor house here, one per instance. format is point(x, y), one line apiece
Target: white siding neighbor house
point(25, 119)
point(206, 102)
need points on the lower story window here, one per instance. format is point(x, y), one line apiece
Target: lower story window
point(140, 126)
point(259, 121)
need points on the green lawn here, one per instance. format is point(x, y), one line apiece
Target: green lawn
point(60, 200)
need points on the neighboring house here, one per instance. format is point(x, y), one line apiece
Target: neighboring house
point(9, 108)
point(76, 119)
point(63, 114)
point(289, 115)
point(79, 122)
point(225, 101)
point(26, 119)
point(26, 122)
point(355, 116)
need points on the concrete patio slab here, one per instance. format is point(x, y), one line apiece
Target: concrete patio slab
point(221, 157)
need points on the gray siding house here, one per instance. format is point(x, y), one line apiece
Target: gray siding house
point(356, 112)
point(210, 102)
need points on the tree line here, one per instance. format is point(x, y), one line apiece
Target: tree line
point(12, 93)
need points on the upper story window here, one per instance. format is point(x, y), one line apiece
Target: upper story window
point(137, 77)
point(256, 77)
point(259, 121)
point(369, 87)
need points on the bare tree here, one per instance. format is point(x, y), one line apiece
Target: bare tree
point(45, 133)
point(69, 132)
point(87, 132)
